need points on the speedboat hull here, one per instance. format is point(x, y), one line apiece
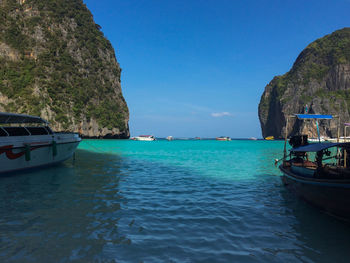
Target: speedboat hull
point(144, 138)
point(330, 195)
point(20, 153)
point(223, 139)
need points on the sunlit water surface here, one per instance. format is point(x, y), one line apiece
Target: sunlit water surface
point(177, 201)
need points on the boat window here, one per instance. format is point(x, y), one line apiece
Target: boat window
point(49, 130)
point(16, 131)
point(37, 130)
point(2, 132)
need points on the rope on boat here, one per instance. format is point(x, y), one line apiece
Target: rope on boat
point(54, 148)
point(27, 152)
point(278, 160)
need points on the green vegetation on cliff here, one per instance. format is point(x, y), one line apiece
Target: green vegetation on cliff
point(316, 60)
point(320, 78)
point(54, 57)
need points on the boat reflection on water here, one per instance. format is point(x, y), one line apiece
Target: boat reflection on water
point(316, 235)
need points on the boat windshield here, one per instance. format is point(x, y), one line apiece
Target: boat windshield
point(24, 131)
point(8, 118)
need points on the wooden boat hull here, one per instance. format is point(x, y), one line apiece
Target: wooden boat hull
point(307, 172)
point(332, 196)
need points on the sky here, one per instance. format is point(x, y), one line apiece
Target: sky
point(199, 67)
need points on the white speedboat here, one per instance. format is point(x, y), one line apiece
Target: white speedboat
point(144, 138)
point(27, 142)
point(223, 138)
point(170, 138)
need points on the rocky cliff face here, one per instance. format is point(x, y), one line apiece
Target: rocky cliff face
point(320, 80)
point(56, 63)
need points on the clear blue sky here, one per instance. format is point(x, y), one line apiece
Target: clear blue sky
point(198, 68)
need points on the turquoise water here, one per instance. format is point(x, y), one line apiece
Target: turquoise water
point(177, 201)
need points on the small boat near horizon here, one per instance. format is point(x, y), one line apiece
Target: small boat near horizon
point(170, 138)
point(28, 142)
point(144, 138)
point(321, 139)
point(223, 138)
point(270, 138)
point(341, 139)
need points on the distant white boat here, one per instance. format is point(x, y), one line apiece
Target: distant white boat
point(144, 138)
point(322, 139)
point(223, 138)
point(253, 138)
point(170, 138)
point(341, 139)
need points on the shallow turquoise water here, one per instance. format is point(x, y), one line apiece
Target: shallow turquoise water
point(178, 201)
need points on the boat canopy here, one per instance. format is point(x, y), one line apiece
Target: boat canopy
point(7, 118)
point(316, 147)
point(347, 123)
point(314, 116)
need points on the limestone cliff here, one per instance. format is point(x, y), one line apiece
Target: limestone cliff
point(55, 62)
point(320, 79)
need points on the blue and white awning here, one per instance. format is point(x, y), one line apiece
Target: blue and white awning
point(314, 116)
point(316, 147)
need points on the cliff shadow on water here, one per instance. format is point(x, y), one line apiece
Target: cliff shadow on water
point(66, 212)
point(108, 206)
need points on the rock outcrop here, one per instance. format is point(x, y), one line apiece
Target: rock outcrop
point(56, 63)
point(319, 81)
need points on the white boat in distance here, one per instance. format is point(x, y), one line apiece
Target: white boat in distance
point(223, 138)
point(144, 138)
point(322, 139)
point(170, 138)
point(27, 142)
point(341, 139)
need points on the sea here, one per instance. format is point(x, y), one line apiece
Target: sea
point(164, 201)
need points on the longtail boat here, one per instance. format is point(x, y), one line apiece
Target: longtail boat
point(319, 172)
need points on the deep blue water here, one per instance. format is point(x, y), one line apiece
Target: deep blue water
point(179, 201)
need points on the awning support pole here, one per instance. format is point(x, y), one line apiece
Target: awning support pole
point(318, 131)
point(285, 141)
point(345, 151)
